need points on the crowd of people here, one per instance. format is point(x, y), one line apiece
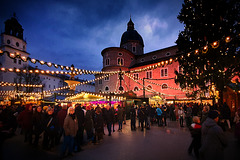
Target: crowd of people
point(54, 123)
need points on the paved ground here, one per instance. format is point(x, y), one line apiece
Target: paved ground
point(166, 143)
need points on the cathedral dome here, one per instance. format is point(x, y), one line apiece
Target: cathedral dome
point(131, 35)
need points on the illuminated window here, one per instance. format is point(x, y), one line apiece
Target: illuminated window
point(164, 86)
point(149, 74)
point(149, 87)
point(164, 72)
point(135, 76)
point(120, 61)
point(136, 89)
point(106, 78)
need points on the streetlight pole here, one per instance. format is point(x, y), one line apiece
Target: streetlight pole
point(120, 78)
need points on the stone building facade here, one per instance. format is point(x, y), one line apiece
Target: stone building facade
point(130, 57)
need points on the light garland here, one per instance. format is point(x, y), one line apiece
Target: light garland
point(19, 84)
point(93, 94)
point(156, 83)
point(50, 64)
point(152, 67)
point(82, 83)
point(149, 90)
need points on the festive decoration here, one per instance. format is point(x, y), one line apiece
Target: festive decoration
point(20, 85)
point(208, 45)
point(50, 64)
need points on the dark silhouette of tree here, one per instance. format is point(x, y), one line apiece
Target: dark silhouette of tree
point(29, 78)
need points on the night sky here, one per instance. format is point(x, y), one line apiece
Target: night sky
point(75, 32)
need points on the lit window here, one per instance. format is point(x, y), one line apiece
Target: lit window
point(149, 74)
point(106, 78)
point(135, 75)
point(149, 87)
point(136, 89)
point(120, 61)
point(164, 86)
point(164, 72)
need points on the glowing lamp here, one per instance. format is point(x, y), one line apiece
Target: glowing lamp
point(228, 39)
point(215, 44)
point(12, 55)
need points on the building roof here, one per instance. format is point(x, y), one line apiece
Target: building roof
point(131, 35)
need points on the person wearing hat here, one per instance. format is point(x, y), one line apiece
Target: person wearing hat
point(213, 138)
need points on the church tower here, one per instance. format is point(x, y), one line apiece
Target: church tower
point(12, 41)
point(132, 40)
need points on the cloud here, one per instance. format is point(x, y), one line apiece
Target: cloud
point(76, 31)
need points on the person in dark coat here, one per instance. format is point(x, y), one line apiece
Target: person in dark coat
point(226, 114)
point(109, 116)
point(204, 114)
point(98, 125)
point(120, 117)
point(172, 115)
point(50, 129)
point(89, 123)
point(142, 116)
point(164, 114)
point(213, 139)
point(25, 120)
point(38, 123)
point(133, 118)
point(188, 115)
point(80, 117)
point(61, 115)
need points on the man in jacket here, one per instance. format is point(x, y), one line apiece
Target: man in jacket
point(213, 138)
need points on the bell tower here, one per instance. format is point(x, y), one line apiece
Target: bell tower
point(12, 41)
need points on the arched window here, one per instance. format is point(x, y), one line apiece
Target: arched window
point(120, 61)
point(164, 86)
point(107, 62)
point(149, 87)
point(136, 88)
point(106, 88)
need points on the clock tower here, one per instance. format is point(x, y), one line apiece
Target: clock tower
point(12, 41)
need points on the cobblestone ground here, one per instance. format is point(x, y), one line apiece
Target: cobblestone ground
point(166, 143)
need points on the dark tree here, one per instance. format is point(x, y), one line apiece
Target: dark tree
point(208, 47)
point(29, 78)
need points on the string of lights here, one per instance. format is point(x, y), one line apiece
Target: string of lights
point(156, 83)
point(149, 89)
point(19, 84)
point(50, 64)
point(81, 83)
